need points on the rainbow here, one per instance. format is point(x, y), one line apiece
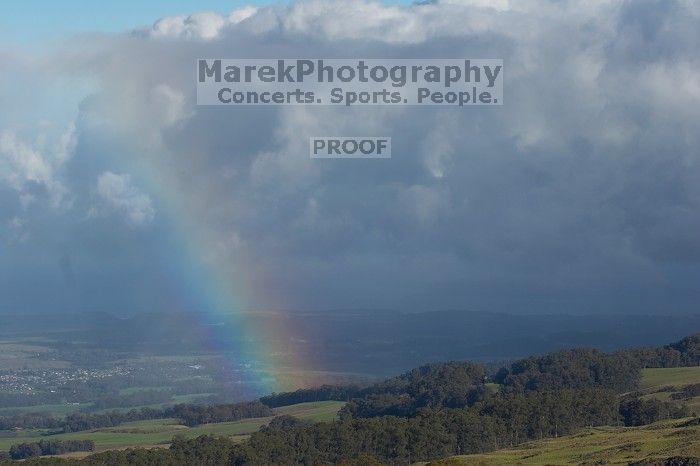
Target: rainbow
point(267, 348)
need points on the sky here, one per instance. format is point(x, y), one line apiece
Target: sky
point(21, 24)
point(580, 194)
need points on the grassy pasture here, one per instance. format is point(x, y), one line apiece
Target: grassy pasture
point(661, 383)
point(674, 376)
point(604, 445)
point(159, 432)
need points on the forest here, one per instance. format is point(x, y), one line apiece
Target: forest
point(49, 447)
point(436, 410)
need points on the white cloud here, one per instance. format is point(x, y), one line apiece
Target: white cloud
point(120, 194)
point(66, 144)
point(500, 5)
point(203, 25)
point(23, 163)
point(170, 102)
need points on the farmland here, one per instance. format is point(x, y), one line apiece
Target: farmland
point(159, 432)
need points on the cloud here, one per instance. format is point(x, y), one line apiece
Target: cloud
point(26, 165)
point(580, 193)
point(204, 25)
point(22, 163)
point(171, 102)
point(120, 194)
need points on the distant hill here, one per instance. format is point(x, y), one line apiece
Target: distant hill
point(378, 343)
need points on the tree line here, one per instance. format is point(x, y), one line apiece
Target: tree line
point(187, 413)
point(683, 353)
point(325, 392)
point(49, 447)
point(576, 368)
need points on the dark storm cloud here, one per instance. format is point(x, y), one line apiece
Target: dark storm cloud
point(581, 193)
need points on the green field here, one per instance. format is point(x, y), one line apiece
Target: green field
point(674, 376)
point(662, 383)
point(606, 445)
point(161, 431)
point(58, 410)
point(63, 409)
